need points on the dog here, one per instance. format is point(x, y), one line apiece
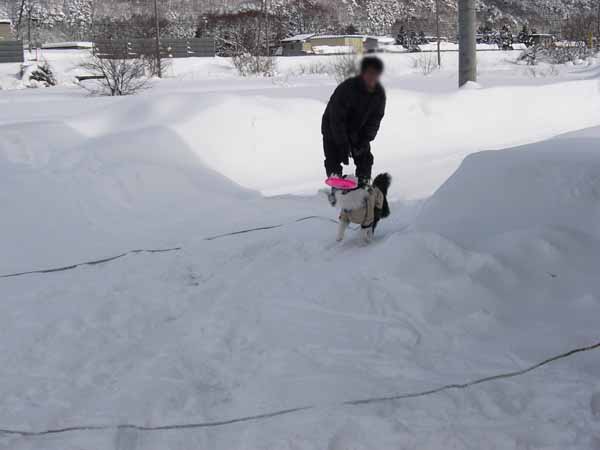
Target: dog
point(365, 206)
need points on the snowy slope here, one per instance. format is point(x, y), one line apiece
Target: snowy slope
point(497, 270)
point(553, 183)
point(264, 321)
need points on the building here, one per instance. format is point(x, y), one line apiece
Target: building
point(345, 43)
point(545, 40)
point(306, 44)
point(5, 30)
point(296, 45)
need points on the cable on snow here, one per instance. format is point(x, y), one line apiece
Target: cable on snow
point(165, 250)
point(283, 412)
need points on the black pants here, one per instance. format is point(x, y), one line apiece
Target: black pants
point(336, 157)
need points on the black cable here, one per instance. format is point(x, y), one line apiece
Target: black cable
point(175, 249)
point(303, 408)
point(90, 263)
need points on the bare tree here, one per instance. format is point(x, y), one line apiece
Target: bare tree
point(425, 63)
point(247, 64)
point(345, 66)
point(115, 76)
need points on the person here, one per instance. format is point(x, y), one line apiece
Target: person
point(352, 119)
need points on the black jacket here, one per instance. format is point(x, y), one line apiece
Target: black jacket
point(353, 116)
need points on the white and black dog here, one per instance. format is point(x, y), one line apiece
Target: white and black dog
point(364, 206)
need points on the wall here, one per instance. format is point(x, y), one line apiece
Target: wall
point(11, 51)
point(5, 31)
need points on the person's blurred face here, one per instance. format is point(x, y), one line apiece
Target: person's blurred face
point(371, 78)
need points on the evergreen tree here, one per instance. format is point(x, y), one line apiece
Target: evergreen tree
point(44, 75)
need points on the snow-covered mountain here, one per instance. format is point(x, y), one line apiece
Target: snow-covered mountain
point(75, 18)
point(494, 272)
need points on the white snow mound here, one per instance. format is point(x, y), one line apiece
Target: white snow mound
point(555, 183)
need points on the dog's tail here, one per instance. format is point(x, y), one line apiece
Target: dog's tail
point(383, 182)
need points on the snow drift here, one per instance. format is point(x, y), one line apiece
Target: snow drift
point(555, 183)
point(65, 198)
point(272, 143)
point(498, 271)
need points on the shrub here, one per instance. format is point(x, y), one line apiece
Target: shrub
point(151, 64)
point(43, 75)
point(530, 55)
point(247, 64)
point(314, 68)
point(116, 76)
point(426, 63)
point(344, 67)
point(555, 55)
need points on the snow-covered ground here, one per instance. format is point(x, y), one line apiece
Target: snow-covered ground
point(487, 265)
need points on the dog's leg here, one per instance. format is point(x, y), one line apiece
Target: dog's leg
point(367, 234)
point(342, 230)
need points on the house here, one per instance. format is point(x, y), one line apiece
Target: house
point(352, 43)
point(545, 40)
point(296, 45)
point(5, 30)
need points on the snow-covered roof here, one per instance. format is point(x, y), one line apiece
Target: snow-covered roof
point(68, 45)
point(518, 46)
point(385, 40)
point(364, 37)
point(5, 21)
point(299, 38)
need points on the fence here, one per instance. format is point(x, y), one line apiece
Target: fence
point(169, 48)
point(11, 52)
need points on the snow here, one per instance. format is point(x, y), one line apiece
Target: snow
point(595, 405)
point(333, 49)
point(452, 46)
point(385, 40)
point(547, 188)
point(518, 46)
point(389, 48)
point(488, 263)
point(299, 37)
point(445, 46)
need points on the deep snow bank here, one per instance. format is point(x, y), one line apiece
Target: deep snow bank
point(65, 197)
point(283, 318)
point(270, 140)
point(555, 183)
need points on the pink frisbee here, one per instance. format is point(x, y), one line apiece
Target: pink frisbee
point(341, 183)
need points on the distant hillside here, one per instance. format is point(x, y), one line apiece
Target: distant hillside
point(79, 19)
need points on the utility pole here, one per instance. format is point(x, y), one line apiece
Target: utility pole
point(20, 19)
point(439, 37)
point(467, 58)
point(158, 58)
point(267, 43)
point(30, 45)
point(598, 25)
